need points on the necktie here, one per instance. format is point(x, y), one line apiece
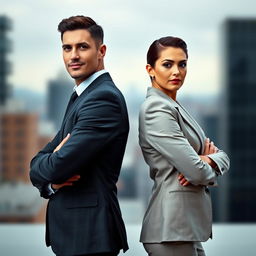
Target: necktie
point(73, 98)
point(71, 101)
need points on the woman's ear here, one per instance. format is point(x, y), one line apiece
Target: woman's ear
point(150, 70)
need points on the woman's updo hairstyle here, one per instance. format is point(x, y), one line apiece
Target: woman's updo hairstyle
point(158, 45)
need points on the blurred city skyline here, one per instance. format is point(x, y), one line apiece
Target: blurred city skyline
point(130, 27)
point(205, 92)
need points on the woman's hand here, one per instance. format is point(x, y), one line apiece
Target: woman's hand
point(209, 148)
point(182, 180)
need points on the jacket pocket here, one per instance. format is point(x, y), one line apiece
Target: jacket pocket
point(81, 200)
point(183, 191)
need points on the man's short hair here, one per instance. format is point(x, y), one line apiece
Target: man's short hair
point(82, 22)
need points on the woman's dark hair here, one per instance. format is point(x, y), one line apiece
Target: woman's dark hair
point(82, 22)
point(158, 45)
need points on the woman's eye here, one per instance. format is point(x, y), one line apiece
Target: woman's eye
point(167, 65)
point(183, 65)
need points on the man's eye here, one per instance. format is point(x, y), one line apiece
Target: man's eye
point(83, 46)
point(66, 48)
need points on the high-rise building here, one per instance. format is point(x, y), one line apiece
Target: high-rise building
point(19, 200)
point(19, 144)
point(5, 66)
point(240, 80)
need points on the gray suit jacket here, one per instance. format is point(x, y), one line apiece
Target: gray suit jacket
point(171, 142)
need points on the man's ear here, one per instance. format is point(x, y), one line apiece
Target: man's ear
point(102, 50)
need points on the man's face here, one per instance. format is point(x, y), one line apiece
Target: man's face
point(81, 55)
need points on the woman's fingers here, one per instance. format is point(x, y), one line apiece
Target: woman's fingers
point(206, 146)
point(183, 180)
point(210, 148)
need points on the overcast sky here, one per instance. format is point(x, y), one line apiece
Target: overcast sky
point(130, 27)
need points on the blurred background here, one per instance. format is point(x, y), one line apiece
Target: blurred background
point(219, 91)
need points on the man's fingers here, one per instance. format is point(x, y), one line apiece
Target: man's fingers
point(74, 178)
point(62, 143)
point(64, 140)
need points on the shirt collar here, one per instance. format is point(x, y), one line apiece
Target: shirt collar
point(81, 87)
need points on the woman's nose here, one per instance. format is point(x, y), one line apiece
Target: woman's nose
point(175, 70)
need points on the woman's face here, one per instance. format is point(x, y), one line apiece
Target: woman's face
point(169, 71)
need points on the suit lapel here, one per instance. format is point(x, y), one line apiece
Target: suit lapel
point(84, 94)
point(186, 117)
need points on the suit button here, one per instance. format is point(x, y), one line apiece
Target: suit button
point(222, 169)
point(211, 183)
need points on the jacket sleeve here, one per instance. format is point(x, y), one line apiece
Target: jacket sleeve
point(42, 186)
point(97, 123)
point(165, 135)
point(222, 161)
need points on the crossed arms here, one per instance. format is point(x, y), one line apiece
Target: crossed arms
point(98, 121)
point(159, 127)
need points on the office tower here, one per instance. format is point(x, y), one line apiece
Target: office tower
point(59, 91)
point(19, 144)
point(19, 200)
point(5, 67)
point(240, 79)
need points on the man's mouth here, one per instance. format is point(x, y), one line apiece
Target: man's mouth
point(75, 65)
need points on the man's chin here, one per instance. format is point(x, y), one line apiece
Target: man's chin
point(77, 76)
point(80, 77)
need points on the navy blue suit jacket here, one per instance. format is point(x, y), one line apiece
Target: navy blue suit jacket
point(86, 218)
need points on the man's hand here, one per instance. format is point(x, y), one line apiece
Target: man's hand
point(68, 182)
point(62, 143)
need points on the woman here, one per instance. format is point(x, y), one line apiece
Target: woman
point(182, 161)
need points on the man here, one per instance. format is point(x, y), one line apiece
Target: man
point(79, 168)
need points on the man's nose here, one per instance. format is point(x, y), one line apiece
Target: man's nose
point(74, 54)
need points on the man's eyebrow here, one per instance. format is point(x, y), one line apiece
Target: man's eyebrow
point(65, 45)
point(78, 44)
point(82, 43)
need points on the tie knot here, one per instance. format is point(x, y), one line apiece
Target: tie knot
point(73, 97)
